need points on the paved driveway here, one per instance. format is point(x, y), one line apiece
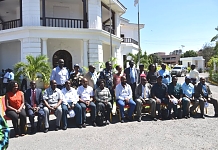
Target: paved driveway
point(194, 133)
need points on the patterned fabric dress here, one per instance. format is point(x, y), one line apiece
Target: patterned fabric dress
point(4, 134)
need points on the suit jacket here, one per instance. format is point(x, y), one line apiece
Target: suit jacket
point(199, 91)
point(138, 91)
point(39, 98)
point(91, 83)
point(127, 72)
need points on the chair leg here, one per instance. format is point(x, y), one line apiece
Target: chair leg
point(111, 117)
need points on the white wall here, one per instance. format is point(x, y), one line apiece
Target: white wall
point(106, 52)
point(129, 32)
point(74, 47)
point(9, 54)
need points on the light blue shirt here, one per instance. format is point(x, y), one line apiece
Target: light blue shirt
point(59, 75)
point(188, 90)
point(123, 92)
point(204, 88)
point(163, 73)
point(132, 75)
point(11, 76)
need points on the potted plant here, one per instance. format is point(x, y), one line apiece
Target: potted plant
point(36, 68)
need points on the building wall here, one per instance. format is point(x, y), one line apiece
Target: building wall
point(106, 52)
point(9, 54)
point(129, 32)
point(74, 47)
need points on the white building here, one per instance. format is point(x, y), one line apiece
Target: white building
point(75, 30)
point(198, 61)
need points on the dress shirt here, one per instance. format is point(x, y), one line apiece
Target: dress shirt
point(52, 97)
point(11, 76)
point(164, 73)
point(85, 93)
point(123, 92)
point(188, 90)
point(59, 75)
point(176, 91)
point(194, 74)
point(132, 75)
point(32, 97)
point(159, 91)
point(143, 90)
point(204, 89)
point(6, 77)
point(146, 92)
point(70, 96)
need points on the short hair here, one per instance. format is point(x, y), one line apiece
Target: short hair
point(117, 66)
point(107, 63)
point(99, 81)
point(173, 77)
point(11, 85)
point(149, 67)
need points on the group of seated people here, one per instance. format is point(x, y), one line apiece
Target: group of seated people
point(64, 99)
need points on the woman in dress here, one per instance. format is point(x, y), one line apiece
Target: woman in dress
point(152, 74)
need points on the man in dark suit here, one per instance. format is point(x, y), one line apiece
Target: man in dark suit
point(143, 96)
point(131, 76)
point(34, 105)
point(203, 94)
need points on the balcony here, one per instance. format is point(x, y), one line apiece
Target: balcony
point(130, 40)
point(107, 28)
point(10, 24)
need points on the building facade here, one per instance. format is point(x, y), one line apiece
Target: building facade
point(199, 62)
point(77, 31)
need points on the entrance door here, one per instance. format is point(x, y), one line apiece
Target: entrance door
point(65, 55)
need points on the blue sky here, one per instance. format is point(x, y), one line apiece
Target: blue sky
point(172, 23)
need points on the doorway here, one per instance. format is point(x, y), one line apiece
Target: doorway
point(65, 55)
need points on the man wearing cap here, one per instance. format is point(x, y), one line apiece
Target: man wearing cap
point(76, 77)
point(92, 77)
point(203, 94)
point(159, 92)
point(60, 74)
point(131, 76)
point(165, 74)
point(143, 96)
point(194, 74)
point(188, 96)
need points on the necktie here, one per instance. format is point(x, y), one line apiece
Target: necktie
point(33, 98)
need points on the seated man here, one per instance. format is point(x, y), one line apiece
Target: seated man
point(159, 92)
point(188, 97)
point(124, 96)
point(70, 102)
point(143, 96)
point(203, 94)
point(175, 94)
point(34, 104)
point(85, 93)
point(103, 98)
point(52, 98)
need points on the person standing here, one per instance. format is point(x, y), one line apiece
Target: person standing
point(76, 77)
point(152, 74)
point(34, 105)
point(60, 74)
point(165, 74)
point(131, 76)
point(70, 102)
point(52, 99)
point(14, 100)
point(194, 74)
point(92, 77)
point(141, 71)
point(117, 76)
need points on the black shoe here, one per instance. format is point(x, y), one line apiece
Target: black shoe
point(57, 128)
point(202, 116)
point(64, 128)
point(139, 119)
point(84, 125)
point(79, 126)
point(216, 115)
point(122, 120)
point(33, 131)
point(188, 116)
point(46, 130)
point(153, 118)
point(93, 124)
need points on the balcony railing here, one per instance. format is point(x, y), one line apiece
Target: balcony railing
point(107, 28)
point(63, 22)
point(10, 24)
point(130, 40)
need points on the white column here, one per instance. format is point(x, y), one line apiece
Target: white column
point(117, 24)
point(31, 12)
point(118, 55)
point(30, 46)
point(85, 53)
point(44, 46)
point(95, 53)
point(94, 14)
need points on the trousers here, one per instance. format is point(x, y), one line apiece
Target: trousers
point(211, 101)
point(31, 115)
point(106, 109)
point(92, 106)
point(150, 101)
point(121, 104)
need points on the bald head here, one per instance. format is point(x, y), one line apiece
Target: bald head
point(85, 82)
point(61, 63)
point(123, 80)
point(33, 84)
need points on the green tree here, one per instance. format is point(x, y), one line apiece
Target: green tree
point(190, 53)
point(36, 67)
point(153, 59)
point(215, 39)
point(140, 57)
point(207, 52)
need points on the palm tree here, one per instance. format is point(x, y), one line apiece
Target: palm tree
point(139, 57)
point(215, 37)
point(36, 67)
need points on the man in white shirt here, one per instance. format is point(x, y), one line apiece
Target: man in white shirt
point(70, 102)
point(123, 97)
point(60, 74)
point(194, 74)
point(86, 94)
point(143, 96)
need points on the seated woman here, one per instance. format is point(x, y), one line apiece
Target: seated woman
point(103, 98)
point(14, 100)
